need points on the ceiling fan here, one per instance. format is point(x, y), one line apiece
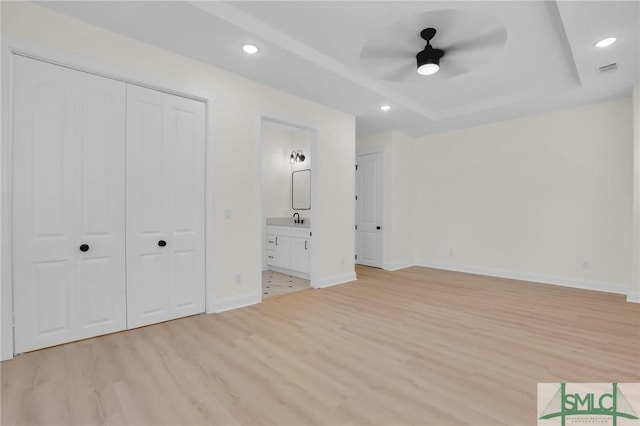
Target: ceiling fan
point(465, 40)
point(428, 60)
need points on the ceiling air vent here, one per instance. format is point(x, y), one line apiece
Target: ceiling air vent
point(608, 68)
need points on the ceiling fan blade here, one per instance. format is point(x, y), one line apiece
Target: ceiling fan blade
point(452, 68)
point(401, 72)
point(494, 36)
point(387, 62)
point(384, 53)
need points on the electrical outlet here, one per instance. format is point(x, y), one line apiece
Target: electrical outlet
point(238, 279)
point(586, 265)
point(450, 252)
point(227, 214)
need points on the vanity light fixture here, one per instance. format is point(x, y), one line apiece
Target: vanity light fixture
point(297, 157)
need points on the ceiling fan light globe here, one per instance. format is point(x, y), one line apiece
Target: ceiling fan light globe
point(428, 69)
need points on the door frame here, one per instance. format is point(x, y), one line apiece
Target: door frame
point(383, 196)
point(272, 118)
point(13, 46)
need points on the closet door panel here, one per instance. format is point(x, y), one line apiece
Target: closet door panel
point(185, 223)
point(50, 319)
point(147, 267)
point(185, 292)
point(43, 205)
point(49, 147)
point(165, 206)
point(100, 205)
point(97, 304)
point(151, 301)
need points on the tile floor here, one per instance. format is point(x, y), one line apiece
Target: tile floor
point(275, 284)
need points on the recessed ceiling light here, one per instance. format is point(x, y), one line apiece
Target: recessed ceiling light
point(385, 107)
point(606, 42)
point(250, 49)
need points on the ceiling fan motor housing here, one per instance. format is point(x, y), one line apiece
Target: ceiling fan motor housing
point(429, 55)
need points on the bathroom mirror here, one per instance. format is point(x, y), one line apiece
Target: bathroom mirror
point(301, 189)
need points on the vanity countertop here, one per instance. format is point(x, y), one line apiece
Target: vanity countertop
point(288, 221)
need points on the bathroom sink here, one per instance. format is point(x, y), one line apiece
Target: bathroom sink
point(289, 221)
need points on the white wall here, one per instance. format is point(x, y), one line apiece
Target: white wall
point(4, 135)
point(402, 211)
point(634, 290)
point(278, 141)
point(544, 197)
point(234, 136)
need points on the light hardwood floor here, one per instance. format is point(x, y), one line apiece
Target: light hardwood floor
point(418, 346)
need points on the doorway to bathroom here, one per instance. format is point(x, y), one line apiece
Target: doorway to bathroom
point(286, 216)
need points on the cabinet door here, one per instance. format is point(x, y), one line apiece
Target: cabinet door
point(300, 255)
point(165, 206)
point(271, 249)
point(68, 162)
point(283, 252)
point(307, 253)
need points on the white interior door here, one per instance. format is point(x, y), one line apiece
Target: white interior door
point(165, 206)
point(185, 219)
point(369, 210)
point(68, 196)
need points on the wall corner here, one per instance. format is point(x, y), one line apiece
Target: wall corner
point(634, 288)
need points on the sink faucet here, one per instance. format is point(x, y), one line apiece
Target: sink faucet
point(298, 219)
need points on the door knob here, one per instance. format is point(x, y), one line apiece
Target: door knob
point(84, 247)
point(162, 243)
point(377, 227)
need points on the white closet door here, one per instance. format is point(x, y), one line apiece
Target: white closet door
point(369, 210)
point(165, 206)
point(185, 216)
point(68, 190)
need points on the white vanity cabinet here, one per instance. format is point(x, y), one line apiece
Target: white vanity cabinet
point(301, 250)
point(289, 250)
point(279, 246)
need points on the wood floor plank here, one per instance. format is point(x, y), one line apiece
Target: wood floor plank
point(418, 346)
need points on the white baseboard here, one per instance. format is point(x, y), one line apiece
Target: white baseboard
point(522, 276)
point(633, 297)
point(234, 302)
point(395, 266)
point(334, 280)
